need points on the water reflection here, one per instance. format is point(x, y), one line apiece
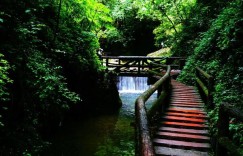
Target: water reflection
point(103, 135)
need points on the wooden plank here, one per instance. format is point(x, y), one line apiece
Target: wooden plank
point(182, 144)
point(186, 106)
point(175, 151)
point(184, 119)
point(185, 125)
point(187, 115)
point(183, 136)
point(189, 101)
point(186, 111)
point(184, 130)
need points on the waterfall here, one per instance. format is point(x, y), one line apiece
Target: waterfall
point(132, 84)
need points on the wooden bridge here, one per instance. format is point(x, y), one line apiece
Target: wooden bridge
point(139, 65)
point(177, 123)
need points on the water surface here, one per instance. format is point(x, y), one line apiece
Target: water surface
point(106, 134)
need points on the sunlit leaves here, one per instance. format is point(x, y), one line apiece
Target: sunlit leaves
point(4, 78)
point(91, 14)
point(171, 14)
point(4, 81)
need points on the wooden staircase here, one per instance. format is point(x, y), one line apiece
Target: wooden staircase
point(183, 129)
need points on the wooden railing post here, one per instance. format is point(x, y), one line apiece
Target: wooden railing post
point(225, 145)
point(181, 64)
point(223, 130)
point(107, 62)
point(119, 61)
point(143, 63)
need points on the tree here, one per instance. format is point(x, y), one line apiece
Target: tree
point(44, 44)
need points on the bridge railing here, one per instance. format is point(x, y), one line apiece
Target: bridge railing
point(224, 145)
point(205, 84)
point(144, 146)
point(139, 64)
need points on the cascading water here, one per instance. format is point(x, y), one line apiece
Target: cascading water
point(132, 84)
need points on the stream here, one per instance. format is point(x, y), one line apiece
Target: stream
point(104, 135)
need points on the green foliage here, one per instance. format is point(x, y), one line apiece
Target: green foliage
point(112, 36)
point(4, 81)
point(51, 47)
point(218, 51)
point(90, 14)
point(46, 81)
point(124, 15)
point(109, 149)
point(172, 15)
point(4, 78)
point(118, 147)
point(131, 30)
point(236, 130)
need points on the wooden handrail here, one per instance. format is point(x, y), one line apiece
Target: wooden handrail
point(205, 87)
point(224, 144)
point(204, 73)
point(144, 143)
point(140, 57)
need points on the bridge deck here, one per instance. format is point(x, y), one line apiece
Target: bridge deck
point(183, 129)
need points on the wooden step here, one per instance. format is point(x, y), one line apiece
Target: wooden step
point(187, 102)
point(182, 88)
point(188, 92)
point(186, 111)
point(187, 98)
point(188, 106)
point(186, 95)
point(174, 151)
point(182, 144)
point(186, 115)
point(182, 137)
point(183, 130)
point(183, 94)
point(184, 125)
point(183, 119)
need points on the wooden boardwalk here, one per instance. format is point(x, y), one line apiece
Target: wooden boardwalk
point(183, 130)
